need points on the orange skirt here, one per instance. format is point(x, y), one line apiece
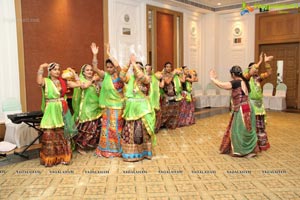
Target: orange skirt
point(55, 148)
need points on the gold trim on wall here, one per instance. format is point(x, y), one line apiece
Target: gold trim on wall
point(105, 29)
point(21, 54)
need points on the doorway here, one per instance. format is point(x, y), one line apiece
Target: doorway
point(164, 37)
point(287, 54)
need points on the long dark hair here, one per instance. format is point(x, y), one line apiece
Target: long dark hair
point(237, 71)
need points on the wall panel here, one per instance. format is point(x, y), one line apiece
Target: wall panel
point(60, 31)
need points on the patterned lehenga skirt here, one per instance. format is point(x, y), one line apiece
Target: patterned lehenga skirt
point(55, 148)
point(110, 136)
point(262, 136)
point(168, 115)
point(239, 140)
point(186, 115)
point(136, 142)
point(88, 134)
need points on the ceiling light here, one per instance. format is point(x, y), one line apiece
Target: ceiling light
point(219, 4)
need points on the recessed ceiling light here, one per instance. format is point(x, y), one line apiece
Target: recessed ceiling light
point(219, 4)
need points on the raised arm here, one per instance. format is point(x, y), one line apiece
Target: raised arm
point(123, 73)
point(248, 73)
point(138, 73)
point(95, 50)
point(260, 59)
point(220, 84)
point(267, 66)
point(76, 83)
point(40, 79)
point(114, 60)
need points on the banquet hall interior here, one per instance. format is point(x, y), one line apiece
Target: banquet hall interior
point(186, 162)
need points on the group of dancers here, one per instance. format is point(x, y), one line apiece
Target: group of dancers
point(119, 117)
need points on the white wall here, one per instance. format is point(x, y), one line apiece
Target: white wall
point(209, 47)
point(9, 66)
point(136, 9)
point(121, 44)
point(192, 41)
point(230, 54)
point(208, 37)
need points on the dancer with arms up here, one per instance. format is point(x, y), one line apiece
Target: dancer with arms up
point(138, 133)
point(111, 100)
point(256, 97)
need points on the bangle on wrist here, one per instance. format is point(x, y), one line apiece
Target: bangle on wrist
point(122, 73)
point(40, 71)
point(95, 62)
point(139, 72)
point(125, 69)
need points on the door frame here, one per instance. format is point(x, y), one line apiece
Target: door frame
point(178, 44)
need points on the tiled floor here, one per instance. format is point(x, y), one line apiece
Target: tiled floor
point(186, 165)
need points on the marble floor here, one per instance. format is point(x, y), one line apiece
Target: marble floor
point(186, 165)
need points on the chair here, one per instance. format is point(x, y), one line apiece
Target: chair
point(18, 134)
point(278, 102)
point(200, 98)
point(267, 94)
point(214, 99)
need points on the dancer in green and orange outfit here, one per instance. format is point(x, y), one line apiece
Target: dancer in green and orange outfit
point(138, 133)
point(87, 113)
point(111, 100)
point(57, 122)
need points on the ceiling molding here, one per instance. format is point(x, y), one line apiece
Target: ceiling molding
point(227, 5)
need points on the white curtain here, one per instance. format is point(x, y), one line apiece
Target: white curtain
point(9, 65)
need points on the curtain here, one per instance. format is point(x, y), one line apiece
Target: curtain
point(9, 65)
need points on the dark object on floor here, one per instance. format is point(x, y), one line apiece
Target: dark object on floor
point(12, 158)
